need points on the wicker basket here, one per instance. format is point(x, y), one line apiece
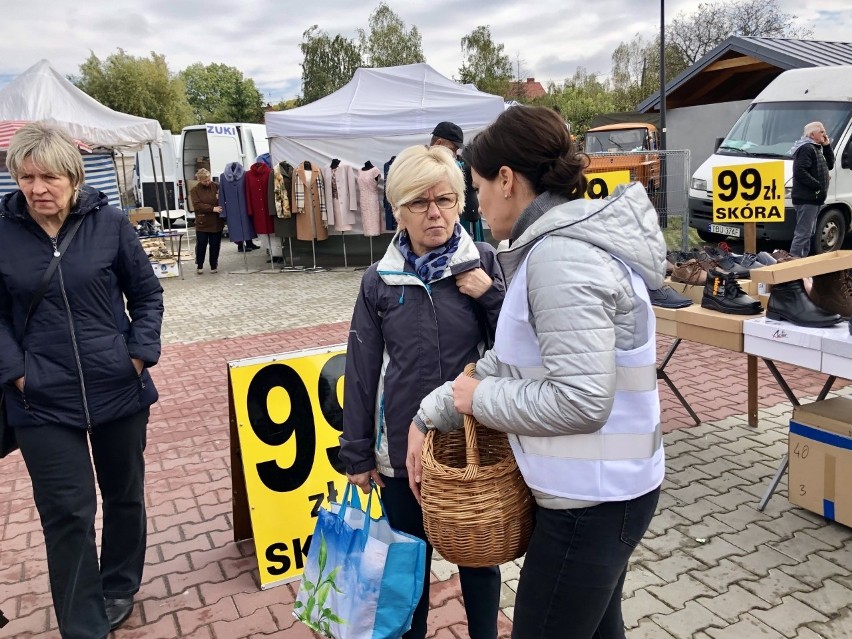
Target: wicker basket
point(477, 510)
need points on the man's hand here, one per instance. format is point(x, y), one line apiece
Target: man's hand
point(362, 480)
point(413, 462)
point(474, 283)
point(19, 383)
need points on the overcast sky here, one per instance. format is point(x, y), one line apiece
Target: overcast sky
point(261, 38)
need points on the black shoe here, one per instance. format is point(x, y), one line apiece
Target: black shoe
point(726, 262)
point(790, 302)
point(667, 297)
point(118, 610)
point(241, 249)
point(722, 293)
point(252, 246)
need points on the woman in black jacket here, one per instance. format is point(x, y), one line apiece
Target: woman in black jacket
point(76, 371)
point(424, 311)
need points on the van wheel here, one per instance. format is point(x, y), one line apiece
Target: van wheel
point(830, 231)
point(714, 238)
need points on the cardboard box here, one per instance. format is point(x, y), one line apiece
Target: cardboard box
point(837, 351)
point(165, 268)
point(666, 320)
point(803, 267)
point(697, 324)
point(783, 342)
point(820, 453)
point(142, 213)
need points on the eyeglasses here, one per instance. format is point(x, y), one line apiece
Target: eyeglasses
point(444, 202)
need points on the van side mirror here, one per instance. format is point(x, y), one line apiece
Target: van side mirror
point(846, 158)
point(717, 144)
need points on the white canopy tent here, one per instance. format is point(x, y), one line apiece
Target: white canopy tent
point(42, 93)
point(376, 115)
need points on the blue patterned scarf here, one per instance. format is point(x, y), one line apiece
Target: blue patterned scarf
point(430, 267)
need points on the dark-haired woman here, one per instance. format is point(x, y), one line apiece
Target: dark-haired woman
point(572, 375)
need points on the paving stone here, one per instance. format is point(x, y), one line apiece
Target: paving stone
point(775, 586)
point(672, 567)
point(838, 628)
point(835, 535)
point(732, 604)
point(647, 629)
point(750, 538)
point(640, 606)
point(671, 541)
point(677, 593)
point(800, 546)
point(713, 551)
point(762, 560)
point(828, 599)
point(686, 622)
point(705, 530)
point(787, 524)
point(700, 510)
point(675, 463)
point(746, 628)
point(664, 520)
point(639, 578)
point(741, 516)
point(720, 578)
point(815, 570)
point(731, 498)
point(788, 616)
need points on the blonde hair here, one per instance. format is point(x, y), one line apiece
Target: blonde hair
point(202, 174)
point(417, 169)
point(49, 147)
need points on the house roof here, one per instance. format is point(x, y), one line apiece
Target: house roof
point(741, 67)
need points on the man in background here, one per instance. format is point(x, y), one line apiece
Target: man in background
point(812, 161)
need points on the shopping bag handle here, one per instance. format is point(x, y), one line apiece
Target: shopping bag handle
point(471, 447)
point(349, 494)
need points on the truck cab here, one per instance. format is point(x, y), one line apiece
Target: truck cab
point(630, 146)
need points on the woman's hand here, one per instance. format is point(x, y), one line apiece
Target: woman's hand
point(474, 283)
point(138, 364)
point(413, 462)
point(19, 383)
point(217, 209)
point(362, 480)
point(463, 389)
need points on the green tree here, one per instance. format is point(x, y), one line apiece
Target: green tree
point(389, 42)
point(580, 98)
point(327, 63)
point(220, 93)
point(484, 64)
point(138, 86)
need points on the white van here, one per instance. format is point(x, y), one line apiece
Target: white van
point(766, 132)
point(213, 146)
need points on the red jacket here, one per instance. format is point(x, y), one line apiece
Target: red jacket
point(257, 198)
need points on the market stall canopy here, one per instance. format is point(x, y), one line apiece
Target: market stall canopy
point(377, 114)
point(41, 93)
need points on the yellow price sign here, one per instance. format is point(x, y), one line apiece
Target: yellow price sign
point(602, 184)
point(749, 193)
point(289, 415)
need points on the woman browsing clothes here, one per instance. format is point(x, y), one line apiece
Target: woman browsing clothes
point(423, 313)
point(209, 222)
point(572, 375)
point(74, 368)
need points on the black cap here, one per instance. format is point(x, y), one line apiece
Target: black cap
point(449, 132)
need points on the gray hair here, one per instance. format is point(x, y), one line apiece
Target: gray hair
point(417, 169)
point(202, 174)
point(49, 147)
point(810, 127)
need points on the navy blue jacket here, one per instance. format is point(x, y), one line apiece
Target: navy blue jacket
point(76, 353)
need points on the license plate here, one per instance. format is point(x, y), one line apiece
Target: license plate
point(730, 231)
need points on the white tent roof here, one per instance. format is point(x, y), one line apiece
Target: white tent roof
point(389, 101)
point(41, 93)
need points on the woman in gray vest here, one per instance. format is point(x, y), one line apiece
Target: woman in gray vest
point(572, 375)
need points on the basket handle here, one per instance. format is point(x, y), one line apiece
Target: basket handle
point(471, 450)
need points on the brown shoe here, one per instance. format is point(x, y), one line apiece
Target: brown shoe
point(689, 272)
point(669, 267)
point(782, 256)
point(833, 292)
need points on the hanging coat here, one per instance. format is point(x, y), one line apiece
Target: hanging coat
point(280, 188)
point(232, 199)
point(308, 204)
point(257, 198)
point(341, 196)
point(368, 187)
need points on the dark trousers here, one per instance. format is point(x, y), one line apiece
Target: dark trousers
point(202, 239)
point(574, 570)
point(803, 234)
point(480, 586)
point(57, 459)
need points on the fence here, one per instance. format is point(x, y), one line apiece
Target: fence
point(665, 175)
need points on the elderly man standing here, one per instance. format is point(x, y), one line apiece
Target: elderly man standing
point(812, 161)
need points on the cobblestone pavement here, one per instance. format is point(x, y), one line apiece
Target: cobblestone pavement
point(711, 566)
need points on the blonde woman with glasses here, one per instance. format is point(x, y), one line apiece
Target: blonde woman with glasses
point(425, 310)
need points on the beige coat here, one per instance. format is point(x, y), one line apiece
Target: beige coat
point(308, 204)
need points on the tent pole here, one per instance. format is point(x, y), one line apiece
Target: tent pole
point(117, 181)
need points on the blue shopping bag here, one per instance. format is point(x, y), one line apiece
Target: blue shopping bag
point(362, 579)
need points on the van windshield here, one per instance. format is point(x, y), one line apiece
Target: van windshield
point(769, 129)
point(615, 141)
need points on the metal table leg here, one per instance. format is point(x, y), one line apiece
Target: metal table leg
point(661, 374)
